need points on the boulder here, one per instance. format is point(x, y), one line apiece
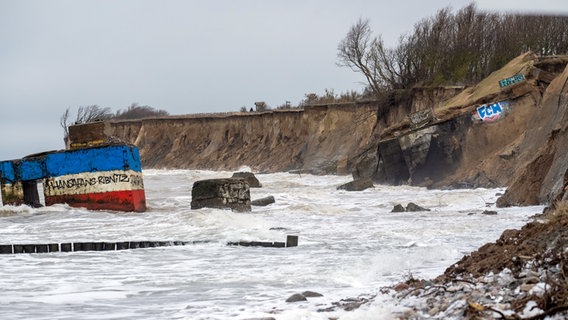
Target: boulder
point(296, 297)
point(262, 202)
point(230, 193)
point(249, 177)
point(413, 207)
point(311, 294)
point(357, 185)
point(398, 208)
point(366, 165)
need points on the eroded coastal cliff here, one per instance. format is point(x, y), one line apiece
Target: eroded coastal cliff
point(509, 130)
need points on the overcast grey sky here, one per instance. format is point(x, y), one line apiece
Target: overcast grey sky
point(182, 56)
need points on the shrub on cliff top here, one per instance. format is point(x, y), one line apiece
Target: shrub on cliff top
point(450, 48)
point(135, 111)
point(559, 212)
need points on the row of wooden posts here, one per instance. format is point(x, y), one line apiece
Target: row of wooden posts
point(291, 241)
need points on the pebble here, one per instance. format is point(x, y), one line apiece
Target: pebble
point(475, 297)
point(526, 287)
point(434, 311)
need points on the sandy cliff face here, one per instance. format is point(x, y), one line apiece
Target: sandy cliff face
point(431, 137)
point(320, 139)
point(524, 147)
point(326, 139)
point(542, 174)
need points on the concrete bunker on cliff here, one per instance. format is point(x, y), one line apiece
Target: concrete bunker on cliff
point(99, 178)
point(97, 172)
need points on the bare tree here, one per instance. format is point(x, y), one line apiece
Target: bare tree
point(358, 52)
point(92, 113)
point(449, 48)
point(84, 115)
point(63, 123)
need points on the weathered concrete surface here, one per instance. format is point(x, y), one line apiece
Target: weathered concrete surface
point(12, 193)
point(249, 177)
point(231, 194)
point(95, 135)
point(99, 178)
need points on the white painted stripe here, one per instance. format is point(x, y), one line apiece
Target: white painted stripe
point(94, 182)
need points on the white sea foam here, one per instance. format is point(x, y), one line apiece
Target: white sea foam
point(350, 243)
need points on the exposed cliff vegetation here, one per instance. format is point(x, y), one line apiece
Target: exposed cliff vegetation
point(460, 47)
point(522, 143)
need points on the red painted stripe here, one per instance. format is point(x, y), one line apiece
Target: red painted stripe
point(129, 200)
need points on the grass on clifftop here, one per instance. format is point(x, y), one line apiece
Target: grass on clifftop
point(487, 90)
point(487, 87)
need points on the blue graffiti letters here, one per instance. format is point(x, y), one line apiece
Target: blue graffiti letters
point(491, 112)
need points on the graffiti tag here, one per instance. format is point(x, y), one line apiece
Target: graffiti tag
point(76, 183)
point(491, 112)
point(420, 118)
point(511, 80)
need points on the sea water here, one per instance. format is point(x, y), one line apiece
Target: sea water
point(350, 245)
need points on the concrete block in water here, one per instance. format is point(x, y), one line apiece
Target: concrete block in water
point(248, 177)
point(230, 193)
point(263, 201)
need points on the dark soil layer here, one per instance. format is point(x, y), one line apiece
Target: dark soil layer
point(536, 240)
point(538, 246)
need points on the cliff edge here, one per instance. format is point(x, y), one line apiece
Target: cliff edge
point(317, 139)
point(508, 130)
